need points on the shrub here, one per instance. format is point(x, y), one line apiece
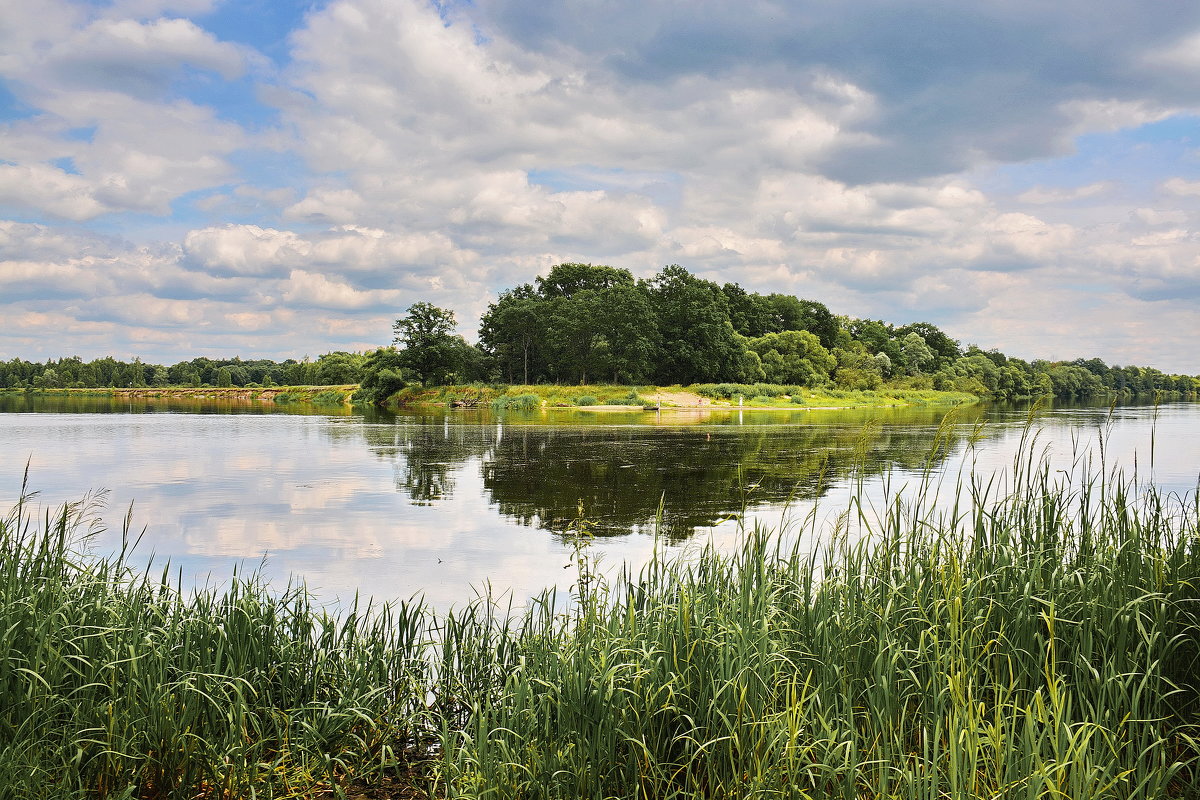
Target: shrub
point(522, 402)
point(329, 397)
point(586, 400)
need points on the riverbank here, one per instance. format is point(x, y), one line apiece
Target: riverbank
point(317, 395)
point(1040, 643)
point(600, 397)
point(699, 397)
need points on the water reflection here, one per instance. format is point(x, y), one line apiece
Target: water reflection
point(443, 502)
point(676, 476)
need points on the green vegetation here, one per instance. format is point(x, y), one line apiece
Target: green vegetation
point(521, 402)
point(757, 395)
point(584, 323)
point(1034, 641)
point(768, 395)
point(331, 369)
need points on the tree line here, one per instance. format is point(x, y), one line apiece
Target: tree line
point(64, 373)
point(587, 323)
point(584, 323)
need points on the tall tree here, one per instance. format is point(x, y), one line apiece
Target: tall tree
point(512, 332)
point(567, 280)
point(427, 344)
point(698, 340)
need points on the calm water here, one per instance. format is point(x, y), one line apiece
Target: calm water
point(438, 503)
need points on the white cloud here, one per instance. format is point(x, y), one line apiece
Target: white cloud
point(314, 289)
point(1181, 187)
point(50, 190)
point(245, 249)
point(137, 57)
point(443, 156)
point(1040, 195)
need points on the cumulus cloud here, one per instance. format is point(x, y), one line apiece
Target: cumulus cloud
point(443, 152)
point(138, 57)
point(314, 289)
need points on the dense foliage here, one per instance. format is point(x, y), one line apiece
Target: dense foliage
point(331, 369)
point(583, 323)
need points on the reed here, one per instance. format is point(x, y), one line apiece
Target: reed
point(1032, 635)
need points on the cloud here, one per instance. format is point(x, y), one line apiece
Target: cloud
point(314, 289)
point(1040, 195)
point(409, 151)
point(50, 190)
point(250, 250)
point(1181, 187)
point(138, 58)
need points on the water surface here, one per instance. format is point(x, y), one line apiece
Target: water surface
point(439, 502)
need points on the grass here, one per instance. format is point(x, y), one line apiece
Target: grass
point(759, 395)
point(1027, 635)
point(769, 395)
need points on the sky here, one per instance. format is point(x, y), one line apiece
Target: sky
point(281, 178)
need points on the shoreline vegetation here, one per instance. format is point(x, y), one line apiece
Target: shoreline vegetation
point(1038, 637)
point(598, 398)
point(584, 324)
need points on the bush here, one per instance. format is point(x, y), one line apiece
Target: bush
point(522, 402)
point(329, 397)
point(586, 400)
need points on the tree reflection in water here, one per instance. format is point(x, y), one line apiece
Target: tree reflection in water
point(539, 474)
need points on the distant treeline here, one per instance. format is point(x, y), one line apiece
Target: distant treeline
point(64, 373)
point(585, 323)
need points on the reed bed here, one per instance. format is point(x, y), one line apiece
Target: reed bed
point(1034, 636)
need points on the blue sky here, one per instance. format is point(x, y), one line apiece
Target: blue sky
point(186, 177)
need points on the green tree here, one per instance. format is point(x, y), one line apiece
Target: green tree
point(511, 331)
point(917, 354)
point(339, 367)
point(426, 343)
point(946, 350)
point(794, 357)
point(698, 339)
point(567, 280)
point(383, 374)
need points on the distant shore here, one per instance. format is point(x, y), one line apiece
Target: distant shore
point(698, 397)
point(607, 398)
point(326, 395)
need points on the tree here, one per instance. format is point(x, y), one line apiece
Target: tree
point(795, 357)
point(698, 340)
point(382, 376)
point(748, 312)
point(917, 353)
point(427, 345)
point(567, 280)
point(511, 331)
point(946, 349)
point(339, 367)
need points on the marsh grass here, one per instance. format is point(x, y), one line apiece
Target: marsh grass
point(1026, 635)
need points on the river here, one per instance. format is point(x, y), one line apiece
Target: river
point(440, 503)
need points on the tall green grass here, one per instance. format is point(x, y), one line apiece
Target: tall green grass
point(114, 683)
point(1030, 635)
